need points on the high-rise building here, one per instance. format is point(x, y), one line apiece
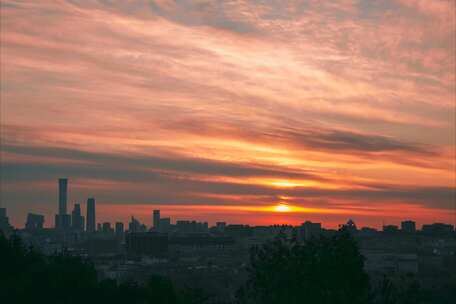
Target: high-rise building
point(77, 220)
point(156, 220)
point(63, 195)
point(119, 230)
point(34, 222)
point(408, 226)
point(91, 216)
point(62, 219)
point(134, 225)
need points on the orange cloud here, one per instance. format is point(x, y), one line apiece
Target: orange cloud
point(235, 103)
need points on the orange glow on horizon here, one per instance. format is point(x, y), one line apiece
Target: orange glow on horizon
point(282, 208)
point(230, 113)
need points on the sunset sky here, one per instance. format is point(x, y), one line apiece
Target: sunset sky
point(223, 110)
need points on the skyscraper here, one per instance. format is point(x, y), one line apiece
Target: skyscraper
point(62, 219)
point(91, 219)
point(156, 220)
point(77, 221)
point(63, 195)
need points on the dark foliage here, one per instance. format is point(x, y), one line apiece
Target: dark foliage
point(403, 289)
point(324, 270)
point(27, 276)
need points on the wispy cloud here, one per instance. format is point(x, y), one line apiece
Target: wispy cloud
point(229, 98)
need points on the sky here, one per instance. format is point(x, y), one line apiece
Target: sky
point(224, 110)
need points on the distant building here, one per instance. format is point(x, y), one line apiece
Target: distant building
point(390, 229)
point(368, 231)
point(147, 244)
point(200, 240)
point(63, 195)
point(136, 226)
point(350, 226)
point(437, 228)
point(309, 230)
point(191, 227)
point(34, 222)
point(238, 231)
point(220, 226)
point(62, 219)
point(164, 224)
point(101, 245)
point(119, 230)
point(106, 228)
point(77, 220)
point(383, 262)
point(408, 226)
point(91, 216)
point(156, 220)
point(62, 222)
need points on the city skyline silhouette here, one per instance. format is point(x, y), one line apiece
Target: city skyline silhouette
point(228, 151)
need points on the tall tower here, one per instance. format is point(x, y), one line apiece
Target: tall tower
point(62, 219)
point(77, 221)
point(156, 219)
point(91, 220)
point(63, 195)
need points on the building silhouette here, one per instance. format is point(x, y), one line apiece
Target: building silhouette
point(107, 229)
point(119, 230)
point(309, 230)
point(408, 226)
point(62, 219)
point(91, 215)
point(77, 220)
point(34, 222)
point(164, 224)
point(135, 226)
point(63, 195)
point(220, 226)
point(147, 244)
point(437, 228)
point(390, 229)
point(350, 226)
point(156, 220)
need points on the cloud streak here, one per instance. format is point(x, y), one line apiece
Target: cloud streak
point(231, 102)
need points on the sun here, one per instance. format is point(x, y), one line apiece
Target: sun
point(282, 208)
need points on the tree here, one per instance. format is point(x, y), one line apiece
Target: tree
point(325, 270)
point(27, 276)
point(396, 289)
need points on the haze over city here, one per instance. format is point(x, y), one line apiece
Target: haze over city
point(254, 112)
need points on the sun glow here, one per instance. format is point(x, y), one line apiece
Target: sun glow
point(282, 208)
